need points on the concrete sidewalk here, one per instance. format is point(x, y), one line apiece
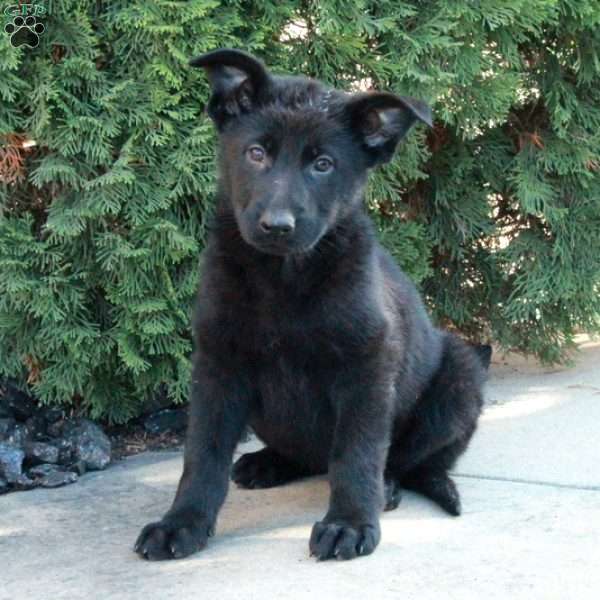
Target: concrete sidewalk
point(530, 485)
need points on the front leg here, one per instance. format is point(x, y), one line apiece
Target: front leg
point(361, 439)
point(219, 408)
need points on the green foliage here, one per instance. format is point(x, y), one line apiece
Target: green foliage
point(495, 212)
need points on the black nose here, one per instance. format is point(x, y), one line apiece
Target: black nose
point(280, 222)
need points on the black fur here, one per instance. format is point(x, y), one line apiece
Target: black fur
point(305, 328)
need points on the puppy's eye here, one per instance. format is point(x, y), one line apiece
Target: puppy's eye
point(323, 164)
point(256, 154)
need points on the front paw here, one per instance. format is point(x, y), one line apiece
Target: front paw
point(343, 540)
point(176, 536)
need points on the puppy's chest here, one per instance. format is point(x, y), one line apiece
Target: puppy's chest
point(299, 336)
point(311, 331)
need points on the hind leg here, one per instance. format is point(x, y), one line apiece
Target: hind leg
point(392, 493)
point(264, 469)
point(445, 418)
point(438, 487)
point(427, 479)
point(431, 479)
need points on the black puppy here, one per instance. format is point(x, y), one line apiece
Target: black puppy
point(305, 328)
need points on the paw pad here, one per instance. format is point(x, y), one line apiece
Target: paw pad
point(24, 31)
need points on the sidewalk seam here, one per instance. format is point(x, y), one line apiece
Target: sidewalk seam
point(587, 488)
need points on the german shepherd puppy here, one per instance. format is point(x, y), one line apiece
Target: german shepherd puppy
point(305, 328)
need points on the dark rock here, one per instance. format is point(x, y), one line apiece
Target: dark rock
point(51, 476)
point(79, 467)
point(58, 479)
point(65, 450)
point(55, 429)
point(52, 414)
point(24, 483)
point(4, 487)
point(42, 470)
point(17, 402)
point(39, 452)
point(169, 419)
point(36, 427)
point(6, 426)
point(90, 443)
point(11, 462)
point(18, 436)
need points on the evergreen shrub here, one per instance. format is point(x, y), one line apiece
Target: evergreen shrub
point(107, 174)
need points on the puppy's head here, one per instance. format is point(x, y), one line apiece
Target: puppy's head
point(294, 153)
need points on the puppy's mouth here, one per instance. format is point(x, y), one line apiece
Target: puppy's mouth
point(280, 247)
point(300, 242)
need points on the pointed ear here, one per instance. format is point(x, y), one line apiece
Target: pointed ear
point(381, 120)
point(238, 82)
